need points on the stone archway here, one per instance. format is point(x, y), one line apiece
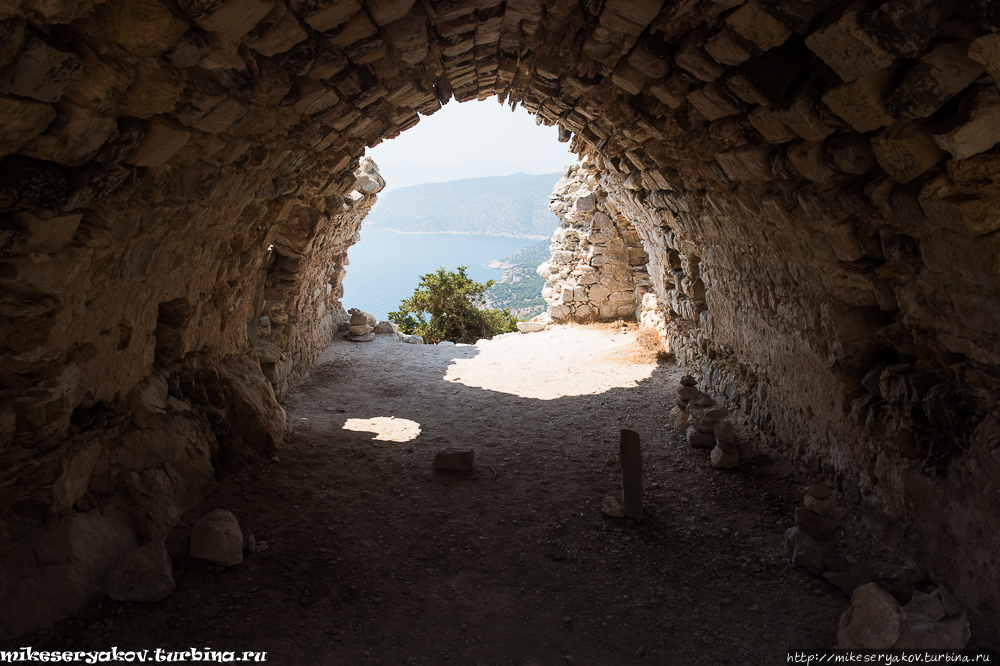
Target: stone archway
point(813, 185)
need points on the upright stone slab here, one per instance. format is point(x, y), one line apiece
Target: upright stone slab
point(630, 452)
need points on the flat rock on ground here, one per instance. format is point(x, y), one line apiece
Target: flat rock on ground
point(374, 558)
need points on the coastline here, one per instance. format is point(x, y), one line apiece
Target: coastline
point(457, 233)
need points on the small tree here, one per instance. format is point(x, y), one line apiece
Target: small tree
point(449, 306)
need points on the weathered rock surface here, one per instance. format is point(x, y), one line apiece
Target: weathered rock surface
point(145, 575)
point(217, 538)
point(795, 196)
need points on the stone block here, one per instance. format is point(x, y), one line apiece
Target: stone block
point(699, 439)
point(21, 121)
point(851, 153)
point(843, 240)
point(143, 27)
point(283, 35)
point(756, 25)
point(814, 524)
point(154, 90)
point(722, 459)
point(162, 142)
point(640, 12)
point(845, 46)
point(906, 150)
point(765, 121)
point(691, 57)
point(217, 538)
point(861, 102)
point(740, 85)
point(671, 91)
point(802, 117)
point(42, 72)
point(628, 78)
point(222, 117)
point(408, 39)
point(725, 49)
point(144, 575)
point(986, 51)
point(808, 552)
point(359, 27)
point(649, 64)
point(455, 460)
point(810, 160)
point(935, 78)
point(74, 140)
point(875, 621)
point(314, 96)
point(710, 103)
point(746, 163)
point(980, 130)
point(235, 18)
point(47, 231)
point(385, 12)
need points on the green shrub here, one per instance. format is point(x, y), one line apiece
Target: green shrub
point(449, 306)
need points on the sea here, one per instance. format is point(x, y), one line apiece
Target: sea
point(385, 266)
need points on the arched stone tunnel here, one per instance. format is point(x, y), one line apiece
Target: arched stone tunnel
point(813, 182)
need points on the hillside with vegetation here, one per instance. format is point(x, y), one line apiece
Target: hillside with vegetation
point(520, 288)
point(516, 206)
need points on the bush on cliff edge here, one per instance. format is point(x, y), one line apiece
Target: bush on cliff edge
point(449, 306)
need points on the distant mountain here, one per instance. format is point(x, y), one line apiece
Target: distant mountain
point(407, 174)
point(516, 205)
point(520, 288)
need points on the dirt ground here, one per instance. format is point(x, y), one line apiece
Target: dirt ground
point(375, 558)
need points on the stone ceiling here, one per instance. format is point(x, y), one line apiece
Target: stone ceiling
point(814, 184)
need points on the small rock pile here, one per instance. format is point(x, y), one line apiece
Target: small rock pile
point(702, 420)
point(876, 621)
point(811, 542)
point(362, 326)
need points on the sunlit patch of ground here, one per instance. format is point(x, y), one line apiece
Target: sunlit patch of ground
point(386, 428)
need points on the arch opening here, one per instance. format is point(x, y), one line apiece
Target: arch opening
point(813, 187)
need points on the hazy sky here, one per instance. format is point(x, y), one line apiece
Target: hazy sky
point(478, 132)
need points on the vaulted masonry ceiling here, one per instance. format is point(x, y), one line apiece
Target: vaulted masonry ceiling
point(813, 185)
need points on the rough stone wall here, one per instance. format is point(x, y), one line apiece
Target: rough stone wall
point(813, 182)
point(597, 261)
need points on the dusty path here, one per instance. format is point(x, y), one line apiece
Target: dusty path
point(374, 558)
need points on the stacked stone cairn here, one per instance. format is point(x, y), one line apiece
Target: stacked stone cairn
point(702, 420)
point(810, 544)
point(362, 326)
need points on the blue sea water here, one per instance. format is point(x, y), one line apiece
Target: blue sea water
point(386, 266)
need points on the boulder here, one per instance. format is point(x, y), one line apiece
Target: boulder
point(144, 575)
point(808, 551)
point(611, 507)
point(699, 439)
point(724, 459)
point(454, 460)
point(217, 538)
point(386, 328)
point(875, 621)
point(530, 326)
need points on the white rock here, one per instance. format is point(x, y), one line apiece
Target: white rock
point(530, 326)
point(217, 538)
point(145, 575)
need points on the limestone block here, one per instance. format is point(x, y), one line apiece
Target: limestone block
point(756, 25)
point(843, 239)
point(801, 117)
point(269, 352)
point(637, 11)
point(144, 575)
point(740, 85)
point(103, 83)
point(217, 538)
point(904, 26)
point(73, 553)
point(154, 90)
point(862, 102)
point(906, 150)
point(722, 459)
point(314, 96)
point(807, 551)
point(933, 80)
point(42, 72)
point(809, 159)
point(188, 51)
point(986, 51)
point(235, 18)
point(770, 126)
point(628, 78)
point(649, 64)
point(385, 12)
point(710, 103)
point(875, 621)
point(672, 91)
point(282, 36)
point(691, 57)
point(354, 30)
point(980, 131)
point(75, 139)
point(724, 48)
point(699, 439)
point(455, 460)
point(164, 139)
point(222, 117)
point(143, 27)
point(46, 232)
point(846, 47)
point(21, 121)
point(746, 163)
point(851, 154)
